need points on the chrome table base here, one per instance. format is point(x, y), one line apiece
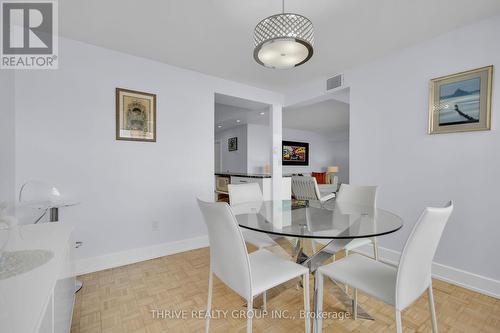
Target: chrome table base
point(313, 262)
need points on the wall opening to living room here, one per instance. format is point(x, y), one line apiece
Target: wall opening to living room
point(236, 148)
point(316, 138)
point(242, 143)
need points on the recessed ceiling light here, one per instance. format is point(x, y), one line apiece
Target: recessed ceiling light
point(238, 121)
point(262, 113)
point(219, 126)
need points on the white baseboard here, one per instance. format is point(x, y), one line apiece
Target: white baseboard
point(116, 259)
point(468, 280)
point(449, 274)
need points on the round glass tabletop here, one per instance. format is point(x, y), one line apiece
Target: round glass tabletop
point(338, 221)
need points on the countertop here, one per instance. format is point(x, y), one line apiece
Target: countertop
point(247, 175)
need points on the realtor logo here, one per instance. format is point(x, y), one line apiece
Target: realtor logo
point(29, 35)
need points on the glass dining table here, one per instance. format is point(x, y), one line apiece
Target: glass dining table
point(333, 225)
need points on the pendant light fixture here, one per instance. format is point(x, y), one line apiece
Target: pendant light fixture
point(283, 40)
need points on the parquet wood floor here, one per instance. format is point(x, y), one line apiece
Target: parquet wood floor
point(121, 300)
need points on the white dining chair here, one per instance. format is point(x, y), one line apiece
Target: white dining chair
point(359, 195)
point(249, 193)
point(306, 188)
point(397, 286)
point(249, 275)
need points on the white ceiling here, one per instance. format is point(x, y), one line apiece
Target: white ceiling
point(239, 102)
point(215, 36)
point(227, 116)
point(328, 117)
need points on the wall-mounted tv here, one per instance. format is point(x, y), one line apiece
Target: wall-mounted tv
point(295, 153)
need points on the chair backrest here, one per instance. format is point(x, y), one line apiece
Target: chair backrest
point(361, 195)
point(228, 254)
point(414, 271)
point(243, 193)
point(305, 188)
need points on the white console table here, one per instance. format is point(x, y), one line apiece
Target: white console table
point(40, 300)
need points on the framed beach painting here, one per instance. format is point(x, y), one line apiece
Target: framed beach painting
point(295, 153)
point(461, 102)
point(135, 115)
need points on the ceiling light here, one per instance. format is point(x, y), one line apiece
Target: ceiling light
point(219, 126)
point(262, 113)
point(283, 40)
point(238, 121)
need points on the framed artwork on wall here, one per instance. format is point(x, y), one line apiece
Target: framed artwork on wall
point(232, 144)
point(295, 153)
point(461, 102)
point(135, 115)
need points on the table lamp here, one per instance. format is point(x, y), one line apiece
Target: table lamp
point(47, 199)
point(43, 197)
point(267, 169)
point(330, 170)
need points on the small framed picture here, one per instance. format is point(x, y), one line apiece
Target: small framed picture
point(461, 102)
point(232, 144)
point(135, 115)
point(295, 153)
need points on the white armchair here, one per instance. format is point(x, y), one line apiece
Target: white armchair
point(306, 188)
point(331, 187)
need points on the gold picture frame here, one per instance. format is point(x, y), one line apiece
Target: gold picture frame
point(461, 102)
point(135, 115)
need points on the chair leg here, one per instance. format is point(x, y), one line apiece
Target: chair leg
point(319, 302)
point(249, 314)
point(264, 300)
point(307, 308)
point(346, 286)
point(375, 249)
point(399, 325)
point(209, 302)
point(433, 309)
point(355, 304)
point(313, 245)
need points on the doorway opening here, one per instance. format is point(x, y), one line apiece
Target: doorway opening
point(321, 125)
point(242, 143)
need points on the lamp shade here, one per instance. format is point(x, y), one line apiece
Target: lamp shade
point(332, 169)
point(283, 41)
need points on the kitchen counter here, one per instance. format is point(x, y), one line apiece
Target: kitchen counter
point(222, 179)
point(247, 175)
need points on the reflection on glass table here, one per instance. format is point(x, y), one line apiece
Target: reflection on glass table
point(339, 221)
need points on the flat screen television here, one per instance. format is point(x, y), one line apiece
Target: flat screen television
point(295, 153)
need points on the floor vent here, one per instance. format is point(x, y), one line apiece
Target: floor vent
point(334, 82)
